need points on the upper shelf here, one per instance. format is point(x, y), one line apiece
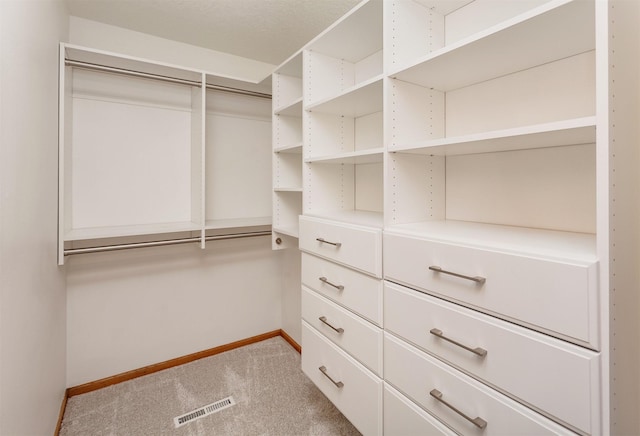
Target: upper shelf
point(362, 99)
point(293, 109)
point(367, 156)
point(533, 38)
point(560, 133)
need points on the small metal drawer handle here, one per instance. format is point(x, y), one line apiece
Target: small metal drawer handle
point(478, 422)
point(477, 279)
point(323, 370)
point(324, 280)
point(323, 319)
point(478, 351)
point(335, 244)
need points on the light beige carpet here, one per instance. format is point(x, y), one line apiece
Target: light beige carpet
point(273, 397)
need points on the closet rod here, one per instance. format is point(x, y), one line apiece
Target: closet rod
point(104, 248)
point(127, 72)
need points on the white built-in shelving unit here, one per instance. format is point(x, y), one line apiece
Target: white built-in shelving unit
point(457, 158)
point(287, 152)
point(150, 151)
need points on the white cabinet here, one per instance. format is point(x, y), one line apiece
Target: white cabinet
point(485, 141)
point(149, 151)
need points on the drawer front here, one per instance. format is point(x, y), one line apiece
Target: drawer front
point(356, 291)
point(422, 377)
point(354, 390)
point(522, 363)
point(403, 418)
point(354, 246)
point(358, 337)
point(554, 297)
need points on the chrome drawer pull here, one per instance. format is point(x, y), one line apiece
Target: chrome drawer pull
point(323, 370)
point(477, 279)
point(335, 244)
point(324, 280)
point(478, 422)
point(324, 321)
point(479, 351)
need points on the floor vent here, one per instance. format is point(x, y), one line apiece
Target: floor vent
point(203, 411)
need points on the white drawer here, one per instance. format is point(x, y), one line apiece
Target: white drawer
point(403, 418)
point(355, 246)
point(521, 362)
point(555, 297)
point(354, 390)
point(420, 377)
point(356, 291)
point(353, 334)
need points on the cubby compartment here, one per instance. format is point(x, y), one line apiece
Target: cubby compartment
point(453, 42)
point(238, 136)
point(130, 163)
point(543, 188)
point(346, 56)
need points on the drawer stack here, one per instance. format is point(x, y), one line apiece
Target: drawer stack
point(342, 337)
point(491, 341)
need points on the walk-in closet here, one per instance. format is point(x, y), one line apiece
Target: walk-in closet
point(377, 217)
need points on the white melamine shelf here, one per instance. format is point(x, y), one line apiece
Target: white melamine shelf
point(238, 223)
point(283, 189)
point(287, 230)
point(358, 217)
point(362, 99)
point(443, 7)
point(549, 244)
point(129, 230)
point(368, 156)
point(536, 37)
point(293, 148)
point(293, 109)
point(567, 132)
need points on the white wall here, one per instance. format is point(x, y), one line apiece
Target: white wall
point(129, 309)
point(32, 288)
point(116, 39)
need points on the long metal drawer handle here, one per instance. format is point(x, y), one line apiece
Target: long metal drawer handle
point(324, 321)
point(478, 422)
point(324, 280)
point(324, 371)
point(335, 244)
point(476, 279)
point(479, 351)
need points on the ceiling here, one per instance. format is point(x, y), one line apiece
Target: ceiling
point(265, 30)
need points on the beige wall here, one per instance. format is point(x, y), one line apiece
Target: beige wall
point(32, 287)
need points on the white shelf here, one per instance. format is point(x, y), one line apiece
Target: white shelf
point(278, 189)
point(293, 148)
point(129, 230)
point(289, 231)
point(293, 109)
point(356, 157)
point(539, 36)
point(548, 244)
point(358, 217)
point(356, 101)
point(561, 133)
point(237, 223)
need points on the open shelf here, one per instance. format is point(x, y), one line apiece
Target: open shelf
point(567, 132)
point(293, 148)
point(293, 109)
point(522, 42)
point(129, 230)
point(356, 157)
point(361, 99)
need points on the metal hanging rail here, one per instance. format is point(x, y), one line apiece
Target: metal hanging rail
point(127, 72)
point(116, 247)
